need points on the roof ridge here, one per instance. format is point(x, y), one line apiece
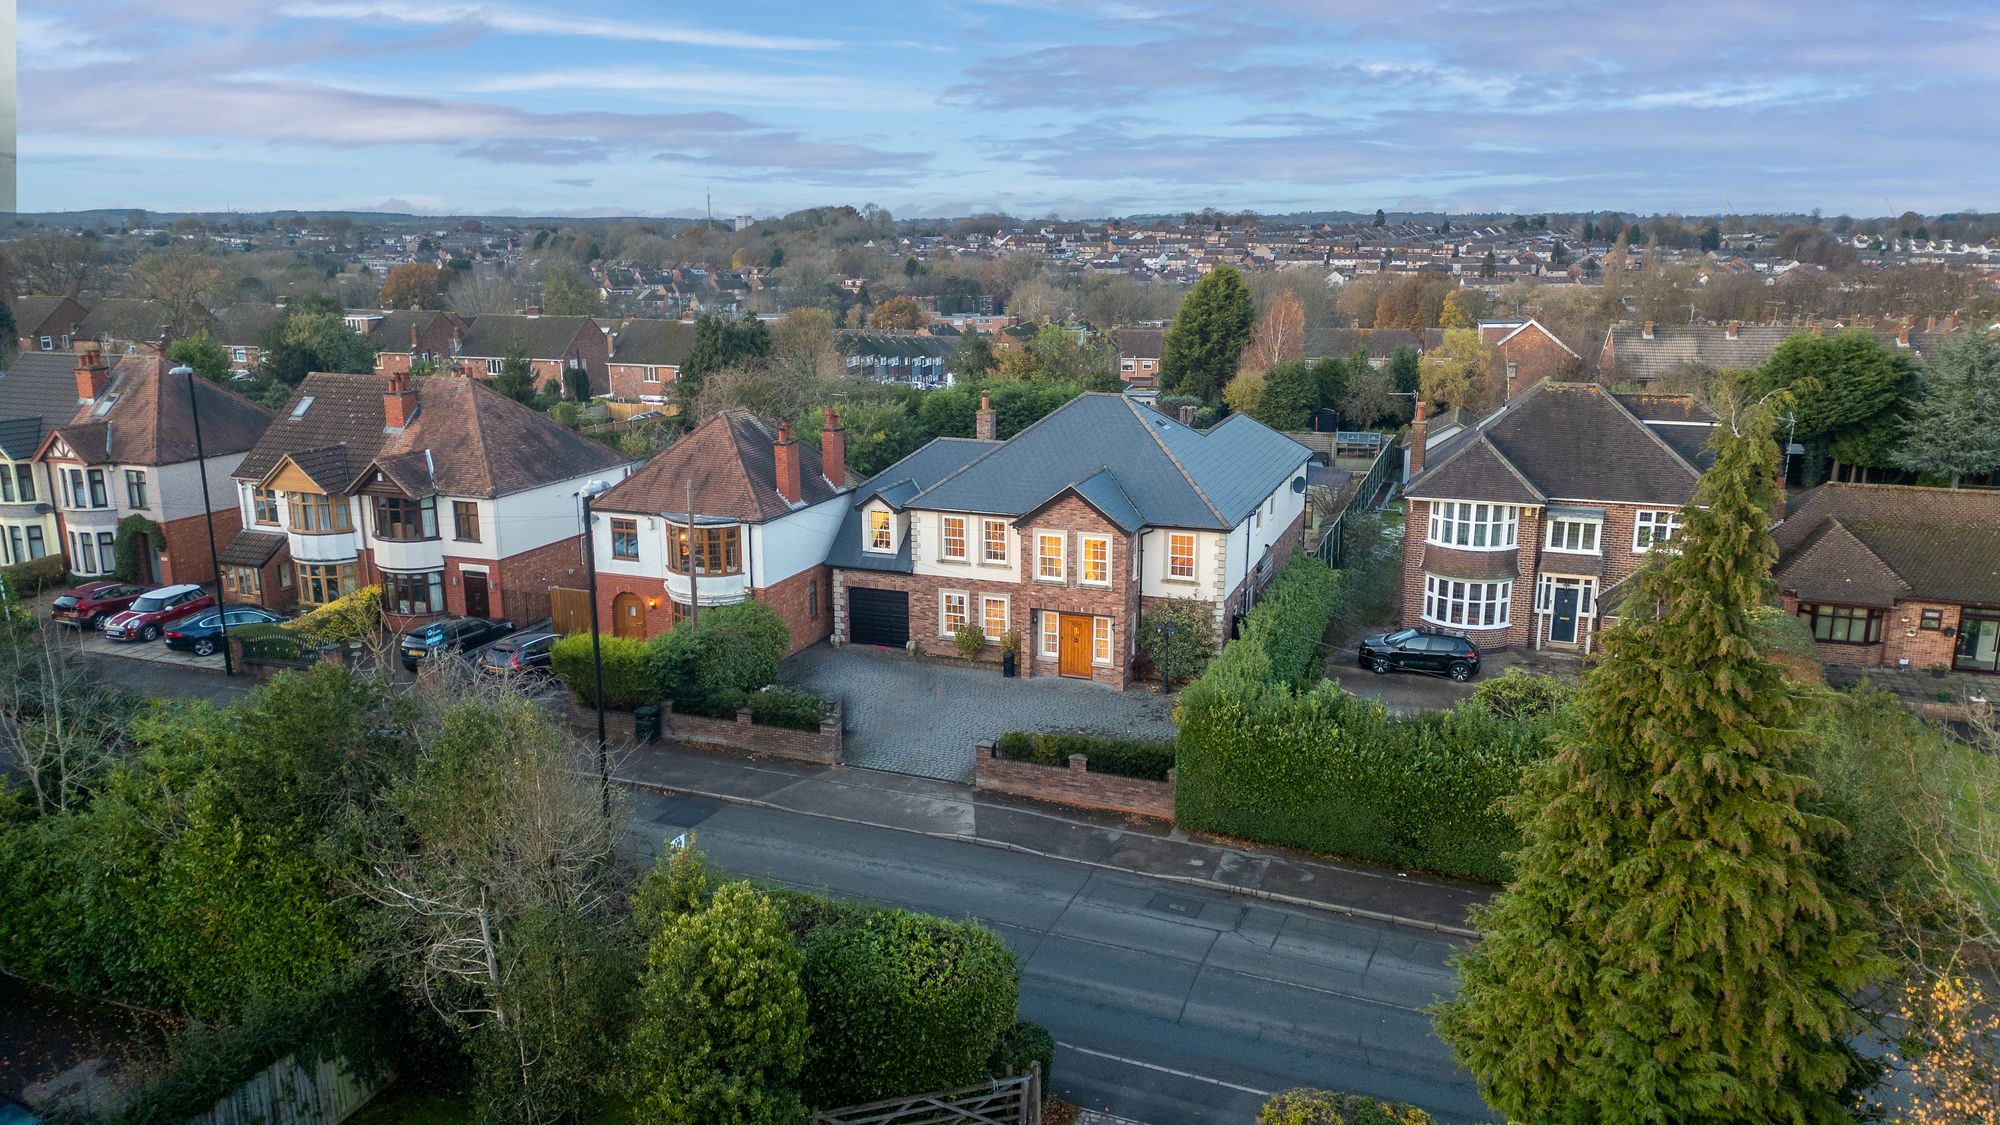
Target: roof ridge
point(1626, 413)
point(1134, 408)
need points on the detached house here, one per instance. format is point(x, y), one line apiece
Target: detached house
point(738, 509)
point(553, 345)
point(1527, 352)
point(1065, 533)
point(1889, 573)
point(1516, 528)
point(1139, 351)
point(127, 449)
point(453, 497)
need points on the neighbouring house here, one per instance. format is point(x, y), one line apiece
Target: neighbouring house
point(1139, 356)
point(1517, 527)
point(553, 345)
point(1648, 352)
point(451, 496)
point(1527, 353)
point(736, 509)
point(1066, 533)
point(1887, 573)
point(917, 359)
point(125, 450)
point(47, 324)
point(37, 393)
point(645, 358)
point(238, 328)
point(406, 337)
point(1381, 344)
point(130, 325)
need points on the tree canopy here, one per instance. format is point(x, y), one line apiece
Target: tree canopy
point(1199, 352)
point(1849, 391)
point(413, 285)
point(1954, 428)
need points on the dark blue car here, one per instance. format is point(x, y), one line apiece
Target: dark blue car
point(202, 633)
point(448, 634)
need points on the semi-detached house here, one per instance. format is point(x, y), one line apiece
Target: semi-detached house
point(1066, 533)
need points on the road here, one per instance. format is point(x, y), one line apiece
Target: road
point(1172, 1004)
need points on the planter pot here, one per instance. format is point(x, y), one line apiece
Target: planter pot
point(1944, 697)
point(1007, 664)
point(1937, 673)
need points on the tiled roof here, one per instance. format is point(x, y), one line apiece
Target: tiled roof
point(731, 460)
point(1854, 539)
point(37, 392)
point(1674, 346)
point(251, 548)
point(135, 320)
point(537, 337)
point(31, 312)
point(1472, 564)
point(345, 414)
point(239, 326)
point(1140, 343)
point(144, 418)
point(665, 343)
point(1835, 566)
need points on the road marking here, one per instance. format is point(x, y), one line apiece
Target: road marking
point(1252, 1090)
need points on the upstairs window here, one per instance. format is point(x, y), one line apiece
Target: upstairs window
point(1049, 556)
point(465, 521)
point(1096, 560)
point(1575, 536)
point(400, 519)
point(1649, 528)
point(315, 513)
point(993, 538)
point(624, 539)
point(264, 505)
point(879, 534)
point(954, 538)
point(135, 488)
point(1180, 555)
point(1480, 526)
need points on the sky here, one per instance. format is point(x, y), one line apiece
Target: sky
point(1078, 108)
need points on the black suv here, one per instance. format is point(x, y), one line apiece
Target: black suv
point(1420, 650)
point(449, 634)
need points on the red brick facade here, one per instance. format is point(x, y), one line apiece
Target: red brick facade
point(1532, 352)
point(1904, 637)
point(794, 598)
point(589, 346)
point(1074, 785)
point(184, 556)
point(628, 380)
point(433, 340)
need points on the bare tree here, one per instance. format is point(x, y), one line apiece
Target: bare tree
point(58, 265)
point(184, 280)
point(1279, 336)
point(483, 292)
point(60, 726)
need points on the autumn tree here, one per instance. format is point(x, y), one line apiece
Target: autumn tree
point(1667, 950)
point(1199, 351)
point(1414, 302)
point(1455, 374)
point(1954, 427)
point(1245, 392)
point(413, 285)
point(1280, 334)
point(902, 313)
point(1462, 308)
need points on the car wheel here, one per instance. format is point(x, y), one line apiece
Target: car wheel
point(95, 624)
point(150, 633)
point(204, 647)
point(1379, 665)
point(1460, 671)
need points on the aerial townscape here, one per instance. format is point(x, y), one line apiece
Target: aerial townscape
point(1313, 570)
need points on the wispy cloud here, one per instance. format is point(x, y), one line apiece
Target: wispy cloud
point(757, 87)
point(519, 21)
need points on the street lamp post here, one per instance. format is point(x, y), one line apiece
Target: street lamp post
point(208, 515)
point(589, 493)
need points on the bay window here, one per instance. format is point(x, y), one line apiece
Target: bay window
point(315, 513)
point(413, 595)
point(399, 519)
point(712, 550)
point(320, 583)
point(1481, 526)
point(1470, 605)
point(1844, 624)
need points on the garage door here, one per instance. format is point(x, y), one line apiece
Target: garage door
point(878, 617)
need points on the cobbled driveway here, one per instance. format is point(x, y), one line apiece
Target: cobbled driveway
point(923, 717)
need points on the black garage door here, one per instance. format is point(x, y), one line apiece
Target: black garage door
point(878, 617)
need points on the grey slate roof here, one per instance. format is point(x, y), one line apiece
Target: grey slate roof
point(538, 337)
point(663, 343)
point(36, 393)
point(895, 484)
point(251, 548)
point(1674, 346)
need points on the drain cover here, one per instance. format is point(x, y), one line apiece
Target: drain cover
point(1175, 904)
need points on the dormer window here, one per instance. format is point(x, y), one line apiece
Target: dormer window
point(880, 534)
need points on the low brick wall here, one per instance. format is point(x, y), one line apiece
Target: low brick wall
point(823, 746)
point(1073, 786)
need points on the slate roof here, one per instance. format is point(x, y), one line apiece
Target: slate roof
point(251, 548)
point(1674, 346)
point(36, 393)
point(1560, 441)
point(664, 343)
point(538, 337)
point(465, 440)
point(143, 417)
point(1870, 544)
point(895, 485)
point(1171, 475)
point(732, 461)
point(1140, 343)
point(238, 326)
point(32, 313)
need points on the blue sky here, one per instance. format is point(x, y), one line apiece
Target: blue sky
point(1075, 107)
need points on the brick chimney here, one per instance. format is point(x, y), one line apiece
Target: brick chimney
point(399, 402)
point(413, 339)
point(1418, 428)
point(1930, 323)
point(1646, 331)
point(985, 426)
point(785, 456)
point(1730, 333)
point(833, 450)
point(532, 311)
point(1903, 336)
point(92, 377)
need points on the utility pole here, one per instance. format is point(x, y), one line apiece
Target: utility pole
point(589, 492)
point(694, 598)
point(208, 514)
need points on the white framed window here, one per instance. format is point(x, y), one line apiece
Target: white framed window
point(493, 367)
point(1575, 536)
point(1095, 552)
point(1479, 526)
point(1049, 562)
point(48, 345)
point(954, 610)
point(1649, 528)
point(993, 615)
point(880, 537)
point(993, 541)
point(954, 538)
point(1180, 555)
point(1051, 634)
point(1467, 605)
point(240, 355)
point(1100, 640)
point(650, 374)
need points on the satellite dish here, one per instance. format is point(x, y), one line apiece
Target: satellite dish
point(1298, 484)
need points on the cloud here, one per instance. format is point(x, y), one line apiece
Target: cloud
point(574, 183)
point(761, 87)
point(517, 21)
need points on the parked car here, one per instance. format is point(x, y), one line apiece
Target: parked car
point(523, 652)
point(154, 610)
point(203, 635)
point(87, 606)
point(449, 634)
point(1421, 650)
point(14, 1113)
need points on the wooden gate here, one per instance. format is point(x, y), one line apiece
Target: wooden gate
point(1005, 1101)
point(569, 610)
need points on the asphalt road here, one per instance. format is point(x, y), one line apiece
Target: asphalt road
point(1171, 1004)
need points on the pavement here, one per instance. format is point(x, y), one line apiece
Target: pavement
point(1183, 979)
point(924, 717)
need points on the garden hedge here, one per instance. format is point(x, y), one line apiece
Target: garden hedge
point(1120, 757)
point(25, 580)
point(628, 679)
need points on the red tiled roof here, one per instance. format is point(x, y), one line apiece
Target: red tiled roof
point(731, 461)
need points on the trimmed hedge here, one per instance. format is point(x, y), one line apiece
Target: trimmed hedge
point(1289, 622)
point(1306, 1106)
point(778, 707)
point(1120, 757)
point(628, 679)
point(736, 650)
point(25, 580)
point(1023, 1044)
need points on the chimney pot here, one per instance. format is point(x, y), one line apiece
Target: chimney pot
point(399, 402)
point(1733, 326)
point(785, 461)
point(833, 450)
point(92, 377)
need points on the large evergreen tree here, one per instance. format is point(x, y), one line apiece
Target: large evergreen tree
point(1667, 952)
point(1849, 392)
point(1954, 429)
point(1199, 353)
point(719, 342)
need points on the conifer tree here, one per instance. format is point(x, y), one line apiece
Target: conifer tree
point(1199, 352)
point(1666, 951)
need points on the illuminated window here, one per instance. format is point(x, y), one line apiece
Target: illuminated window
point(993, 536)
point(879, 537)
point(1049, 556)
point(1180, 555)
point(993, 615)
point(1096, 560)
point(1051, 635)
point(954, 537)
point(952, 612)
point(1100, 640)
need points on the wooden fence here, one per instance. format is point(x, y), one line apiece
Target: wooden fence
point(1005, 1101)
point(569, 610)
point(287, 1093)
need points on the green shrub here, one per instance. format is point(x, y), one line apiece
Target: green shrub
point(1177, 637)
point(345, 618)
point(1290, 620)
point(902, 1003)
point(1017, 745)
point(628, 680)
point(970, 639)
point(1022, 1045)
point(736, 649)
point(25, 580)
point(778, 707)
point(1325, 1107)
point(1120, 757)
point(1516, 694)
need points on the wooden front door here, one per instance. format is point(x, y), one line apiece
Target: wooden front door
point(476, 602)
point(1076, 638)
point(628, 616)
point(142, 559)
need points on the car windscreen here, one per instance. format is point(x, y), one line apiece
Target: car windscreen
point(64, 601)
point(1399, 637)
point(149, 605)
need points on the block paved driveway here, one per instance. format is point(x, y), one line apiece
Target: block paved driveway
point(923, 717)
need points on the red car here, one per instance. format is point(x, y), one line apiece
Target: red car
point(91, 604)
point(154, 610)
